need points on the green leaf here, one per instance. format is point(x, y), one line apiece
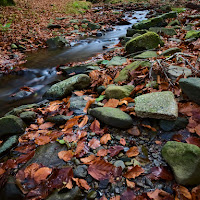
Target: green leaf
point(100, 98)
point(61, 141)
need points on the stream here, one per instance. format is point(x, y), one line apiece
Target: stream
point(41, 65)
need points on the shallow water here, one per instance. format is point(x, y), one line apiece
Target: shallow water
point(41, 65)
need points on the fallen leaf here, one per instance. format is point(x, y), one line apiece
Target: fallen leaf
point(30, 170)
point(122, 141)
point(182, 193)
point(193, 140)
point(105, 138)
point(133, 151)
point(102, 152)
point(149, 127)
point(196, 193)
point(79, 93)
point(66, 155)
point(46, 125)
point(94, 143)
point(130, 184)
point(134, 131)
point(114, 150)
point(88, 104)
point(95, 127)
point(113, 103)
point(2, 171)
point(89, 159)
point(83, 122)
point(159, 195)
point(128, 194)
point(134, 172)
point(41, 174)
point(41, 140)
point(82, 183)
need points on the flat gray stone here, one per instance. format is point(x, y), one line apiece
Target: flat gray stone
point(191, 87)
point(158, 105)
point(112, 116)
point(171, 51)
point(116, 61)
point(28, 116)
point(146, 54)
point(184, 159)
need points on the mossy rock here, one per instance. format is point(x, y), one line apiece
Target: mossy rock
point(146, 54)
point(93, 26)
point(123, 74)
point(184, 159)
point(131, 32)
point(117, 61)
point(143, 42)
point(166, 31)
point(192, 34)
point(174, 23)
point(171, 51)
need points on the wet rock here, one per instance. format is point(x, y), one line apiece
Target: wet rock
point(93, 26)
point(8, 144)
point(72, 194)
point(47, 155)
point(103, 184)
point(20, 95)
point(168, 125)
point(158, 105)
point(124, 40)
point(92, 195)
point(79, 69)
point(192, 34)
point(59, 119)
point(80, 171)
point(123, 75)
point(165, 31)
point(11, 125)
point(123, 22)
point(116, 61)
point(58, 41)
point(52, 26)
point(184, 159)
point(146, 41)
point(10, 191)
point(64, 88)
point(28, 116)
point(77, 104)
point(171, 51)
point(131, 32)
point(99, 34)
point(118, 92)
point(119, 163)
point(191, 87)
point(174, 23)
point(112, 116)
point(146, 54)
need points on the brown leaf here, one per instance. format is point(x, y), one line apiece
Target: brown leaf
point(84, 184)
point(89, 103)
point(128, 194)
point(133, 151)
point(193, 140)
point(102, 152)
point(113, 103)
point(83, 122)
point(89, 159)
point(46, 125)
point(149, 127)
point(197, 130)
point(2, 171)
point(95, 127)
point(66, 155)
point(114, 150)
point(122, 141)
point(130, 184)
point(105, 138)
point(134, 172)
point(41, 174)
point(134, 131)
point(196, 193)
point(30, 170)
point(79, 93)
point(159, 195)
point(94, 143)
point(182, 193)
point(71, 122)
point(41, 140)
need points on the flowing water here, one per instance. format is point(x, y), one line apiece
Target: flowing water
point(41, 65)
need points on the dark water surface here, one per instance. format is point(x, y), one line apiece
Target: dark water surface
point(41, 65)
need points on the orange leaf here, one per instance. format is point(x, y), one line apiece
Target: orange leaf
point(134, 131)
point(2, 171)
point(72, 122)
point(83, 122)
point(197, 130)
point(79, 93)
point(89, 159)
point(196, 193)
point(182, 193)
point(94, 143)
point(113, 103)
point(41, 174)
point(123, 102)
point(134, 172)
point(102, 152)
point(84, 184)
point(122, 141)
point(105, 138)
point(46, 125)
point(149, 127)
point(41, 140)
point(89, 103)
point(30, 170)
point(159, 195)
point(130, 184)
point(133, 151)
point(66, 155)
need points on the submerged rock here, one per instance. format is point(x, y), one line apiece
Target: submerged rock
point(93, 26)
point(112, 116)
point(80, 171)
point(146, 41)
point(191, 87)
point(184, 159)
point(158, 105)
point(123, 75)
point(11, 125)
point(64, 88)
point(118, 92)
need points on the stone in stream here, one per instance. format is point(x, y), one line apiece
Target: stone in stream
point(58, 41)
point(11, 125)
point(64, 88)
point(123, 74)
point(116, 61)
point(20, 95)
point(143, 42)
point(118, 92)
point(166, 31)
point(94, 26)
point(112, 116)
point(171, 51)
point(146, 54)
point(28, 116)
point(192, 34)
point(59, 119)
point(72, 194)
point(191, 87)
point(8, 144)
point(184, 159)
point(158, 105)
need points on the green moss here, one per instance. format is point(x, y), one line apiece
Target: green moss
point(166, 31)
point(179, 10)
point(192, 34)
point(75, 7)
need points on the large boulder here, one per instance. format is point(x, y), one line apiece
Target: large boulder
point(11, 125)
point(143, 42)
point(64, 88)
point(191, 87)
point(184, 159)
point(123, 74)
point(118, 92)
point(158, 105)
point(112, 116)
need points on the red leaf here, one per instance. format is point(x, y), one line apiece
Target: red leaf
point(102, 152)
point(94, 143)
point(95, 127)
point(128, 195)
point(114, 150)
point(193, 140)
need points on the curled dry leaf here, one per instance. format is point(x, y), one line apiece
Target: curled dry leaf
point(88, 104)
point(41, 140)
point(94, 143)
point(41, 174)
point(182, 193)
point(102, 152)
point(89, 159)
point(130, 184)
point(105, 138)
point(30, 170)
point(113, 103)
point(159, 195)
point(82, 183)
point(133, 151)
point(95, 127)
point(66, 155)
point(83, 122)
point(149, 127)
point(134, 172)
